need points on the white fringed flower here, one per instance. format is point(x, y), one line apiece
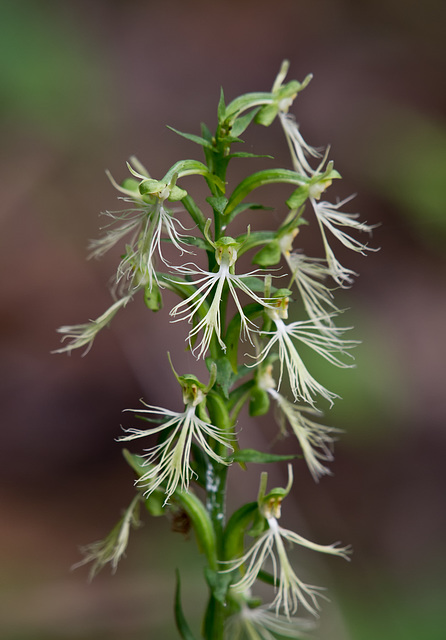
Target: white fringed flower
point(316, 440)
point(299, 149)
point(302, 383)
point(258, 623)
point(83, 335)
point(146, 225)
point(290, 590)
point(330, 218)
point(170, 461)
point(112, 548)
point(210, 323)
point(309, 275)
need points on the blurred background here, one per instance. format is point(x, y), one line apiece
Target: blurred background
point(83, 86)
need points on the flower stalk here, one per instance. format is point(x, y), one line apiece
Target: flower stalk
point(183, 468)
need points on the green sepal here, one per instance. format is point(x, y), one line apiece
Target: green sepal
point(131, 184)
point(267, 114)
point(180, 620)
point(218, 203)
point(259, 402)
point(218, 583)
point(259, 457)
point(153, 298)
point(261, 178)
point(193, 138)
point(258, 526)
point(235, 530)
point(151, 186)
point(155, 188)
point(269, 255)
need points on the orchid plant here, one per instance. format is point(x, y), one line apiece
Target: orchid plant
point(186, 464)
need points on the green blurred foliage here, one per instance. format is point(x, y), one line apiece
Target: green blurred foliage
point(405, 161)
point(51, 78)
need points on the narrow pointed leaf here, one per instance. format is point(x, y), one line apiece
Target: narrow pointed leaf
point(246, 154)
point(181, 622)
point(259, 457)
point(242, 123)
point(261, 178)
point(193, 138)
point(221, 109)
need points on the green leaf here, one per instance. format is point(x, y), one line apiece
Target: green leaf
point(218, 203)
point(192, 167)
point(193, 138)
point(194, 212)
point(218, 583)
point(135, 462)
point(269, 255)
point(221, 110)
point(197, 242)
point(298, 197)
point(224, 375)
point(247, 101)
point(155, 503)
point(181, 622)
point(254, 239)
point(242, 123)
point(246, 154)
point(261, 178)
point(253, 283)
point(258, 457)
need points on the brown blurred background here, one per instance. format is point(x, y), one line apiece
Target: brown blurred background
point(84, 85)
